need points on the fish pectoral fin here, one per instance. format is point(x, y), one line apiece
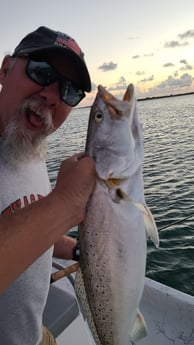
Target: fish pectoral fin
point(151, 227)
point(149, 221)
point(139, 329)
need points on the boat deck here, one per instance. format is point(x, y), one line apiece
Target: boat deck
point(169, 315)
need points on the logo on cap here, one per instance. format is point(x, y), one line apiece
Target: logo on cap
point(67, 42)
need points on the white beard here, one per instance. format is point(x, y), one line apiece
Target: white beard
point(20, 145)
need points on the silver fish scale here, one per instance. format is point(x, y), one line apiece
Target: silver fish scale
point(93, 314)
point(98, 251)
point(97, 279)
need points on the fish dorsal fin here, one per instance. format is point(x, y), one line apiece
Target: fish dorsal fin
point(139, 329)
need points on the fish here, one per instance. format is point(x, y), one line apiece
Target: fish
point(113, 236)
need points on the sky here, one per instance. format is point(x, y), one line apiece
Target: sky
point(149, 43)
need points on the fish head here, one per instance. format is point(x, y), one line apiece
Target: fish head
point(114, 138)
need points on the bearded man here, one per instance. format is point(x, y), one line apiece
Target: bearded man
point(40, 83)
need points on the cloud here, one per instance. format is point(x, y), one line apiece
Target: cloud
point(174, 83)
point(179, 42)
point(136, 57)
point(149, 55)
point(168, 64)
point(186, 66)
point(171, 85)
point(139, 56)
point(120, 85)
point(147, 79)
point(187, 34)
point(140, 73)
point(183, 61)
point(110, 66)
point(174, 44)
point(131, 38)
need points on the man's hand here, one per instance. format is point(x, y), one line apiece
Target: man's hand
point(75, 183)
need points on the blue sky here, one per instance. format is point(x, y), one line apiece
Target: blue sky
point(145, 42)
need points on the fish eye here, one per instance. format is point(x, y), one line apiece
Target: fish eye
point(98, 117)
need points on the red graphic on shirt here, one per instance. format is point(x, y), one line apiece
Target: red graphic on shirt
point(19, 203)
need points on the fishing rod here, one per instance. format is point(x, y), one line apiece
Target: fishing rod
point(176, 222)
point(63, 272)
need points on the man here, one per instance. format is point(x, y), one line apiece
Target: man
point(44, 78)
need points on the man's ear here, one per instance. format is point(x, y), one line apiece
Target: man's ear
point(5, 66)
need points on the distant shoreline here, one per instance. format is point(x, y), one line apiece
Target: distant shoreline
point(166, 96)
point(151, 98)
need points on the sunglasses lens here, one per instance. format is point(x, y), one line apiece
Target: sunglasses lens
point(44, 74)
point(40, 72)
point(70, 94)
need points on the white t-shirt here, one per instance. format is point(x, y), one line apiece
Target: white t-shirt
point(22, 304)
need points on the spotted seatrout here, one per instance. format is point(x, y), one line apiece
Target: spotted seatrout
point(110, 280)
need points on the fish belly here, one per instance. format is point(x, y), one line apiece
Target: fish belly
point(113, 257)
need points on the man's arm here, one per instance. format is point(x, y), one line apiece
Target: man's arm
point(27, 233)
point(64, 247)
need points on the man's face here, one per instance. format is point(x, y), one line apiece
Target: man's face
point(28, 111)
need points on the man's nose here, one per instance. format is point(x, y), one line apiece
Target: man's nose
point(51, 94)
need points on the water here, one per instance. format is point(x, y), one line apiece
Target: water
point(168, 176)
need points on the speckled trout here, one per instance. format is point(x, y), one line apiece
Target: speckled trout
point(110, 279)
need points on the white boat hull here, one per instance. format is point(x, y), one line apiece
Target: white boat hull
point(169, 315)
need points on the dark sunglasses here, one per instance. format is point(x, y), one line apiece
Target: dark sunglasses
point(42, 73)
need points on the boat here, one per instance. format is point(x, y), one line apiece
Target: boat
point(169, 314)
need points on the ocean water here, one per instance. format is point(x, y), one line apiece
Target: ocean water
point(168, 177)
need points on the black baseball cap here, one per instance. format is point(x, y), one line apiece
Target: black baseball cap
point(44, 39)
